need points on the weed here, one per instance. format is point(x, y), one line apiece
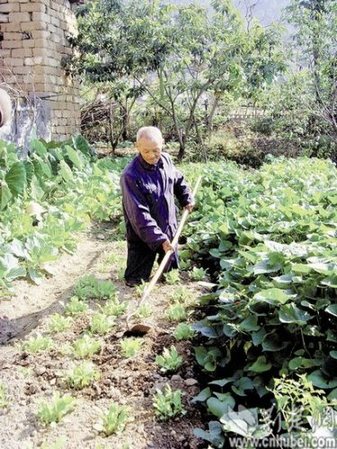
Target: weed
point(56, 409)
point(101, 324)
point(167, 403)
point(83, 375)
point(176, 312)
point(3, 397)
point(144, 311)
point(89, 287)
point(86, 347)
point(59, 323)
point(58, 444)
point(130, 346)
point(75, 306)
point(172, 277)
point(37, 344)
point(181, 295)
point(139, 289)
point(198, 274)
point(183, 331)
point(115, 420)
point(169, 360)
point(114, 308)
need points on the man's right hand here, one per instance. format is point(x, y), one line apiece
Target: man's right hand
point(167, 246)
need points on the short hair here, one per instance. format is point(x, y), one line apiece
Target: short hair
point(5, 107)
point(149, 132)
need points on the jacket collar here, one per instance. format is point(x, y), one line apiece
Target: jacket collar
point(148, 166)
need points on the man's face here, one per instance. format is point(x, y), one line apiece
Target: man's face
point(150, 149)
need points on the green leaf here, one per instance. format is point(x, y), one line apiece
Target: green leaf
point(249, 324)
point(260, 365)
point(75, 157)
point(219, 407)
point(320, 381)
point(16, 178)
point(290, 313)
point(5, 194)
point(65, 171)
point(273, 296)
point(332, 309)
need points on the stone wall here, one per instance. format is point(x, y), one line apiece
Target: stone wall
point(34, 41)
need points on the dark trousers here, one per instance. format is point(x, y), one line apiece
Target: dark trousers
point(140, 261)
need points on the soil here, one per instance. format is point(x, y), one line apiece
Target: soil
point(30, 379)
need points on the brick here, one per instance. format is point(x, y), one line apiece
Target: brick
point(4, 18)
point(12, 44)
point(41, 17)
point(14, 36)
point(9, 7)
point(30, 26)
point(9, 27)
point(33, 7)
point(18, 17)
point(41, 52)
point(22, 52)
point(37, 60)
point(12, 62)
point(28, 43)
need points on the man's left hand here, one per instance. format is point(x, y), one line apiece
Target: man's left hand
point(189, 207)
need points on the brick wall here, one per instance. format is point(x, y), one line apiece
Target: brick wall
point(33, 43)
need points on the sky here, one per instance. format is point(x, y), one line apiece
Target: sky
point(266, 11)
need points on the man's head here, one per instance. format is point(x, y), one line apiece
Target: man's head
point(5, 107)
point(149, 144)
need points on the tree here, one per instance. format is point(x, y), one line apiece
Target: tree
point(178, 56)
point(315, 24)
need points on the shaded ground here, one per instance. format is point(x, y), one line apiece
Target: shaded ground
point(31, 378)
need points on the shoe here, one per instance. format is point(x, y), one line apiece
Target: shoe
point(132, 282)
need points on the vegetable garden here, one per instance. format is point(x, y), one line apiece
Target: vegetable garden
point(250, 354)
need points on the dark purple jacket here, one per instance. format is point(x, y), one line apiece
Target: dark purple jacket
point(148, 200)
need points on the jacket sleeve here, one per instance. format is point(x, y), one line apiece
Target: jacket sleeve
point(138, 213)
point(181, 189)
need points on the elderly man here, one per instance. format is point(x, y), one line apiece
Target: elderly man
point(149, 183)
point(5, 108)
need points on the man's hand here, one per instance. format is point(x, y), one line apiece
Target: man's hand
point(167, 246)
point(189, 207)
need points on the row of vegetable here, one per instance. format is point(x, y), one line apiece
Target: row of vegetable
point(46, 198)
point(268, 346)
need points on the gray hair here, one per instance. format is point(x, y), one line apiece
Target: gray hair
point(149, 132)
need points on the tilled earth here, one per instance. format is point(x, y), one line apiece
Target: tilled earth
point(31, 378)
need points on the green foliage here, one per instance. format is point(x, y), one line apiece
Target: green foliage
point(89, 287)
point(83, 375)
point(101, 324)
point(181, 295)
point(300, 397)
point(54, 411)
point(85, 347)
point(167, 403)
point(183, 331)
point(198, 274)
point(130, 346)
point(144, 311)
point(37, 344)
point(59, 323)
point(177, 312)
point(187, 54)
point(114, 421)
point(46, 200)
point(114, 308)
point(58, 444)
point(169, 360)
point(76, 306)
point(269, 236)
point(172, 277)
